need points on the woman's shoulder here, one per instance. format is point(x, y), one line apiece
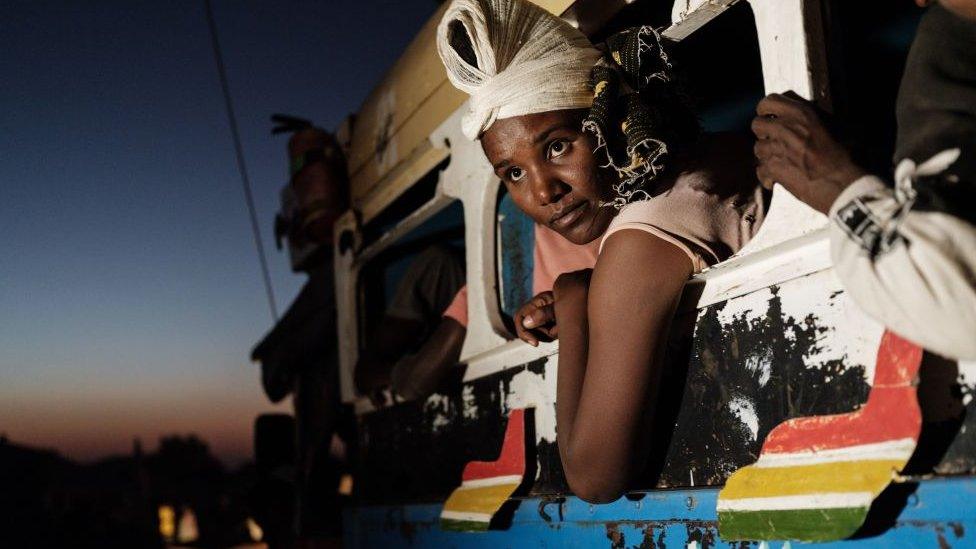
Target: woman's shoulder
point(639, 211)
point(645, 217)
point(662, 212)
point(639, 250)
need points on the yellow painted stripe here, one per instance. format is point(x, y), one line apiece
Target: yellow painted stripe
point(483, 499)
point(850, 476)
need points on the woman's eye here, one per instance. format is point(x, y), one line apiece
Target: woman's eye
point(515, 173)
point(558, 148)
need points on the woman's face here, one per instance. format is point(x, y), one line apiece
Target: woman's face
point(546, 162)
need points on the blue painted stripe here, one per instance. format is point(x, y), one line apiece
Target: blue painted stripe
point(942, 512)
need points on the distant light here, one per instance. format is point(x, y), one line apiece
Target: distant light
point(167, 522)
point(345, 485)
point(187, 531)
point(254, 530)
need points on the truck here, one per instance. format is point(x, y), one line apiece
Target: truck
point(788, 415)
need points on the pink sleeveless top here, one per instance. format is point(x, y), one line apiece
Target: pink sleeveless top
point(704, 224)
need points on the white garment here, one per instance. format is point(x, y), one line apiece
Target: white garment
point(528, 60)
point(922, 284)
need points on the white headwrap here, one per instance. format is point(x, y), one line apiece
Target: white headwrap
point(528, 61)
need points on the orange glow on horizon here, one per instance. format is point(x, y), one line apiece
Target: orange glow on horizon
point(87, 427)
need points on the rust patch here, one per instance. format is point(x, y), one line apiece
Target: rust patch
point(615, 536)
point(957, 529)
point(704, 535)
point(545, 501)
point(647, 541)
point(705, 532)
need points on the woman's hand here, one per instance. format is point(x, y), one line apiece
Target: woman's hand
point(536, 320)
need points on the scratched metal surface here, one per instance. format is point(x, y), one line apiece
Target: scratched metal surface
point(415, 451)
point(797, 349)
point(936, 513)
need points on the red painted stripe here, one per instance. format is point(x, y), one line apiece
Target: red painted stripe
point(511, 458)
point(901, 359)
point(890, 413)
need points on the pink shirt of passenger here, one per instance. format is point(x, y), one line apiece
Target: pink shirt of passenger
point(458, 309)
point(553, 255)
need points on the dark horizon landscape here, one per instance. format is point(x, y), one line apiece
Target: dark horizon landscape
point(131, 294)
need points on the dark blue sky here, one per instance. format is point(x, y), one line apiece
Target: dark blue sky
point(130, 293)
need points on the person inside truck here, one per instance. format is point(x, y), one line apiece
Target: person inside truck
point(413, 326)
point(602, 148)
point(417, 375)
point(906, 255)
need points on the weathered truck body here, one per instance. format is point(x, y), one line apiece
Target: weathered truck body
point(765, 337)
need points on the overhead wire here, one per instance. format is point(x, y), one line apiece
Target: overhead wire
point(241, 165)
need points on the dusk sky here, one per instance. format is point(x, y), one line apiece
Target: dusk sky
point(130, 293)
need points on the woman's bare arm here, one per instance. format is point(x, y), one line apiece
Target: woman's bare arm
point(610, 359)
point(571, 290)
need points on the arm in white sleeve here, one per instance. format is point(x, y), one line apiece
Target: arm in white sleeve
point(914, 271)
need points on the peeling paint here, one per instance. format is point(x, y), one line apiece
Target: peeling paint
point(746, 412)
point(737, 402)
point(531, 390)
point(762, 365)
point(700, 536)
point(967, 380)
point(752, 362)
point(439, 408)
point(960, 455)
point(849, 335)
point(470, 406)
point(615, 536)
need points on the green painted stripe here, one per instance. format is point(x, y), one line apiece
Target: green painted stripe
point(463, 525)
point(796, 524)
